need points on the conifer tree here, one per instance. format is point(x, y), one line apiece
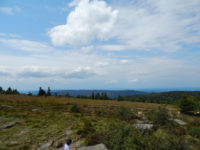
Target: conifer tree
point(41, 92)
point(49, 92)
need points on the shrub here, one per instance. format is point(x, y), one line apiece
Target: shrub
point(41, 92)
point(74, 108)
point(187, 104)
point(29, 94)
point(67, 95)
point(86, 130)
point(195, 132)
point(120, 136)
point(159, 116)
point(196, 122)
point(120, 98)
point(124, 113)
point(168, 143)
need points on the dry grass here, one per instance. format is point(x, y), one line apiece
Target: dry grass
point(21, 100)
point(52, 118)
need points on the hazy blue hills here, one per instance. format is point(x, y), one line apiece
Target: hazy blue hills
point(87, 93)
point(135, 95)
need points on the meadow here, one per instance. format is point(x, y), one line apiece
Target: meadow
point(39, 120)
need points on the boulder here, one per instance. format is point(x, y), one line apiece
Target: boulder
point(96, 147)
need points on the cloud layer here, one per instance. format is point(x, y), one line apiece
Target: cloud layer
point(9, 10)
point(25, 45)
point(162, 25)
point(88, 21)
point(134, 25)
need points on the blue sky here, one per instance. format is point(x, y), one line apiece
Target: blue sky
point(96, 44)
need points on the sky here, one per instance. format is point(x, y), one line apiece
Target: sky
point(98, 44)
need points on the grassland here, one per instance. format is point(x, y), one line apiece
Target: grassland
point(41, 119)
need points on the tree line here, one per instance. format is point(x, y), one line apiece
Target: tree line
point(42, 92)
point(9, 91)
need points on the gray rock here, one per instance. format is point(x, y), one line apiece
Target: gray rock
point(143, 126)
point(7, 106)
point(96, 147)
point(35, 110)
point(45, 146)
point(69, 132)
point(13, 143)
point(181, 122)
point(8, 125)
point(139, 121)
point(23, 132)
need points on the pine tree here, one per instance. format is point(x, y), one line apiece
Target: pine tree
point(97, 96)
point(92, 96)
point(187, 103)
point(9, 91)
point(41, 92)
point(1, 90)
point(49, 92)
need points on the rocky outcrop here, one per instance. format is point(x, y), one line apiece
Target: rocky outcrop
point(143, 126)
point(96, 147)
point(8, 125)
point(181, 122)
point(6, 106)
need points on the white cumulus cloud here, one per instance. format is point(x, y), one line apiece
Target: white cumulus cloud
point(88, 21)
point(153, 24)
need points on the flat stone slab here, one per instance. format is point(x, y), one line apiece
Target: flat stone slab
point(7, 106)
point(45, 146)
point(143, 126)
point(23, 132)
point(181, 122)
point(96, 147)
point(35, 110)
point(8, 125)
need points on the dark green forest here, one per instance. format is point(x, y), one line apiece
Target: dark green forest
point(161, 98)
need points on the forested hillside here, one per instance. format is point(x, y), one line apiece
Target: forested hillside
point(163, 97)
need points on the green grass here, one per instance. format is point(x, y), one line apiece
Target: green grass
point(52, 117)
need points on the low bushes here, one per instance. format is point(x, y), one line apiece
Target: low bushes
point(195, 132)
point(124, 113)
point(74, 108)
point(188, 104)
point(119, 135)
point(159, 116)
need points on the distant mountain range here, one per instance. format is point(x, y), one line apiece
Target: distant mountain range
point(114, 93)
point(87, 93)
